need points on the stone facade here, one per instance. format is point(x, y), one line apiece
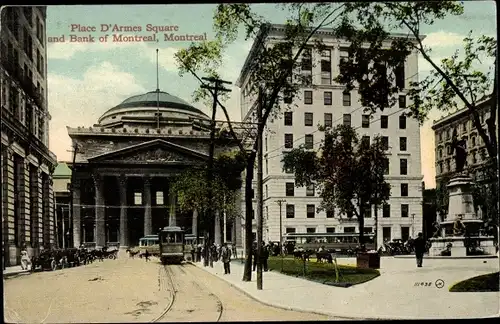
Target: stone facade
point(26, 162)
point(124, 165)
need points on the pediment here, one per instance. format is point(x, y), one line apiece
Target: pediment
point(156, 151)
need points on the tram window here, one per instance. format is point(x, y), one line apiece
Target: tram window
point(178, 238)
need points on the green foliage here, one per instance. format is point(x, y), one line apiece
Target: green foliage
point(191, 186)
point(348, 173)
point(454, 82)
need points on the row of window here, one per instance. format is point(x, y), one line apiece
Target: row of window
point(310, 190)
point(328, 101)
point(365, 140)
point(158, 201)
point(328, 120)
point(449, 148)
point(464, 127)
point(472, 158)
point(311, 211)
point(386, 231)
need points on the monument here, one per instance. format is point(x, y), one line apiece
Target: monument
point(461, 229)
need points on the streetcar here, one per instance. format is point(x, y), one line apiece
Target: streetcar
point(150, 243)
point(172, 246)
point(329, 241)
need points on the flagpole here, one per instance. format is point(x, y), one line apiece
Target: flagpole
point(157, 93)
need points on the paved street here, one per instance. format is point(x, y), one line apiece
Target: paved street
point(131, 290)
point(393, 295)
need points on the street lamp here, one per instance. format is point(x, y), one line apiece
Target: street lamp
point(280, 203)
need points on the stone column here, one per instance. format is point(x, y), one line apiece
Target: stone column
point(122, 185)
point(52, 219)
point(77, 221)
point(8, 207)
point(217, 229)
point(26, 210)
point(100, 234)
point(172, 218)
point(39, 207)
point(147, 207)
point(194, 227)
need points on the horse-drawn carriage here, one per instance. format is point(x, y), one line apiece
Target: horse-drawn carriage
point(65, 258)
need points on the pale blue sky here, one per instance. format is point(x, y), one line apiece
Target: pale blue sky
point(86, 79)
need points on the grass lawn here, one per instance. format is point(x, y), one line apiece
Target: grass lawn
point(484, 283)
point(323, 272)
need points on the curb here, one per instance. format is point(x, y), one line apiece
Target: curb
point(448, 257)
point(16, 273)
point(292, 308)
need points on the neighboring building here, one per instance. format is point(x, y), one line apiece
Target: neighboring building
point(27, 163)
point(461, 121)
point(429, 212)
point(124, 165)
point(326, 103)
point(62, 182)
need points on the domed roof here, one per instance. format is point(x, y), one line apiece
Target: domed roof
point(149, 103)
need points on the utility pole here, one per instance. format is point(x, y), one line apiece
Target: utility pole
point(216, 88)
point(72, 189)
point(260, 198)
point(280, 202)
point(157, 93)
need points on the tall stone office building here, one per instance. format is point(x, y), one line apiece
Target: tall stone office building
point(26, 162)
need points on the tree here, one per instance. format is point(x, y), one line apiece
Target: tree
point(275, 67)
point(454, 82)
point(191, 187)
point(348, 173)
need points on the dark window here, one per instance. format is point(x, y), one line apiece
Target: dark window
point(365, 121)
point(405, 210)
point(385, 143)
point(290, 189)
point(327, 98)
point(404, 190)
point(311, 230)
point(290, 211)
point(347, 119)
point(330, 213)
point(288, 170)
point(346, 99)
point(288, 118)
point(287, 97)
point(365, 141)
point(326, 67)
point(290, 230)
point(310, 190)
point(308, 119)
point(330, 229)
point(405, 233)
point(403, 166)
point(386, 233)
point(309, 141)
point(367, 230)
point(402, 143)
point(384, 121)
point(288, 140)
point(349, 229)
point(402, 122)
point(253, 214)
point(306, 61)
point(402, 101)
point(386, 210)
point(367, 211)
point(328, 120)
point(386, 165)
point(311, 211)
point(400, 76)
point(308, 97)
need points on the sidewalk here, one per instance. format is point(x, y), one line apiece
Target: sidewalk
point(393, 295)
point(14, 270)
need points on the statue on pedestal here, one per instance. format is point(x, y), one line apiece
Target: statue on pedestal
point(459, 146)
point(458, 227)
point(437, 229)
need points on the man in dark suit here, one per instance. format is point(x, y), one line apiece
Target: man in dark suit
point(419, 249)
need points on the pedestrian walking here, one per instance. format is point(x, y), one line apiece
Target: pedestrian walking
point(254, 253)
point(146, 255)
point(192, 252)
point(419, 245)
point(265, 256)
point(25, 259)
point(226, 258)
point(198, 253)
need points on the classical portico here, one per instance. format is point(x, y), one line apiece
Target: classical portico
point(125, 166)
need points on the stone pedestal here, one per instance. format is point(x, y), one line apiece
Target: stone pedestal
point(460, 198)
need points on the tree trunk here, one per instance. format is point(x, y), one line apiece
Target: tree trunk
point(247, 272)
point(361, 222)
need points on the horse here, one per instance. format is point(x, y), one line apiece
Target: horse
point(131, 253)
point(324, 256)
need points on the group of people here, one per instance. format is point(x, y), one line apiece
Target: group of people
point(215, 253)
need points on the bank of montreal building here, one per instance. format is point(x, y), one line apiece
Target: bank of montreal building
point(327, 104)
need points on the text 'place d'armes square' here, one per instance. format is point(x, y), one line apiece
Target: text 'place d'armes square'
point(229, 162)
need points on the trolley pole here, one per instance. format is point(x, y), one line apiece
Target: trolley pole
point(216, 88)
point(280, 203)
point(259, 192)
